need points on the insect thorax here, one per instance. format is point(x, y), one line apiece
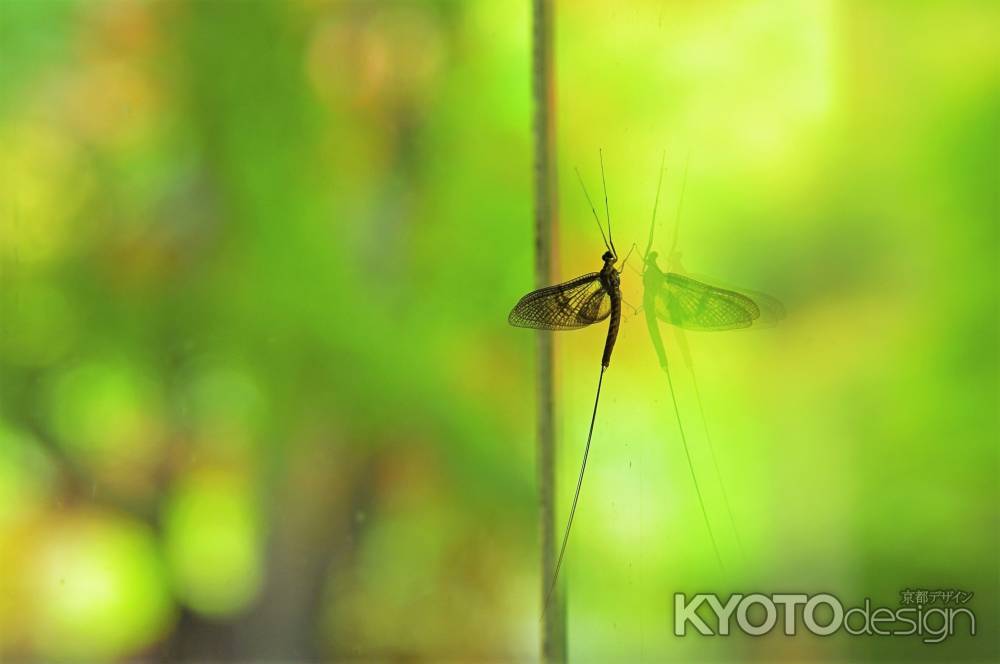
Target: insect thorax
point(610, 278)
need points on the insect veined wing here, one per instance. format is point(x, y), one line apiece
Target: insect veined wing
point(568, 306)
point(772, 311)
point(692, 305)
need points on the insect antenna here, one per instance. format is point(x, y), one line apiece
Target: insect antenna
point(591, 203)
point(607, 210)
point(680, 205)
point(656, 204)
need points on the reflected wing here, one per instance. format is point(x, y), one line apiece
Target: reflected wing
point(771, 309)
point(690, 304)
point(574, 304)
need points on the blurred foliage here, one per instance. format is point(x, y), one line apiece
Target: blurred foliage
point(258, 397)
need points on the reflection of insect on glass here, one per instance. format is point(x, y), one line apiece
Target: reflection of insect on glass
point(578, 303)
point(687, 303)
point(692, 305)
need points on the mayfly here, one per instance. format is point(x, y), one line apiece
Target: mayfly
point(690, 304)
point(577, 303)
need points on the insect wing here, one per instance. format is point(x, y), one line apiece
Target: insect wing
point(567, 306)
point(692, 305)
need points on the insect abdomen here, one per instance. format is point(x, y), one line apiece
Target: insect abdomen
point(616, 318)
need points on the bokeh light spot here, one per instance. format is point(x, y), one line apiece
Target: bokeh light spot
point(212, 542)
point(100, 588)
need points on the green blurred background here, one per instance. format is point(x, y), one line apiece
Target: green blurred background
point(259, 399)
